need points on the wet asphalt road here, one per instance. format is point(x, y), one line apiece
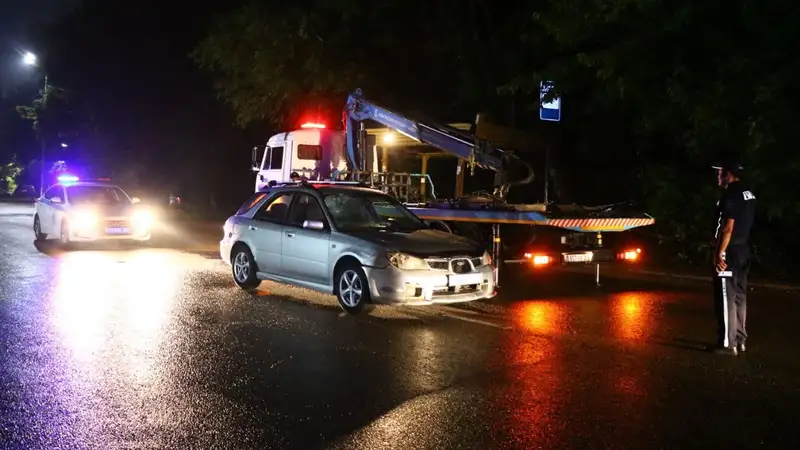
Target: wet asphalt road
point(156, 348)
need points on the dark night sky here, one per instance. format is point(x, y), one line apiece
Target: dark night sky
point(17, 15)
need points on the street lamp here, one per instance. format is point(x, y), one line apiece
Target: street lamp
point(31, 60)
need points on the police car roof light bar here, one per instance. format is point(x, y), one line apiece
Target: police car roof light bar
point(67, 178)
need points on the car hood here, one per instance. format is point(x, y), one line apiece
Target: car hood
point(422, 243)
point(112, 211)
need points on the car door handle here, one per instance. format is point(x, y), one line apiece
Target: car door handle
point(290, 233)
point(253, 227)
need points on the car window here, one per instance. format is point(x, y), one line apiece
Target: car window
point(360, 210)
point(54, 192)
point(275, 210)
point(251, 202)
point(305, 207)
point(96, 195)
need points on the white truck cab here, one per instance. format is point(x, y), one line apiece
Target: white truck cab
point(313, 152)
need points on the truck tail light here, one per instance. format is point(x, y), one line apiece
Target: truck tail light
point(538, 259)
point(630, 255)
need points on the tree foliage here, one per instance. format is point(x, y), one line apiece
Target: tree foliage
point(9, 174)
point(49, 112)
point(276, 60)
point(699, 79)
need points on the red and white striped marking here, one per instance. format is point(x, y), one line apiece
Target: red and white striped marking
point(600, 224)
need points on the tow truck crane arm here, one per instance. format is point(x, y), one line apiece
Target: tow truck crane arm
point(478, 152)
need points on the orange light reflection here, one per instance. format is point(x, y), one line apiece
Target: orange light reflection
point(534, 395)
point(541, 317)
point(633, 314)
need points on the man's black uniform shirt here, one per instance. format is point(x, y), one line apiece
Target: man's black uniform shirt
point(737, 203)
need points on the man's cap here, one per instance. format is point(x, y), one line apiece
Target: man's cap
point(731, 164)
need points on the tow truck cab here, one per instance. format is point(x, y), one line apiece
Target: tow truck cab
point(312, 151)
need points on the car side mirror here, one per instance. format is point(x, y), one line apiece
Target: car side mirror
point(313, 225)
point(135, 200)
point(56, 200)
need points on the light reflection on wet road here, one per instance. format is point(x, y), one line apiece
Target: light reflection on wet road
point(155, 348)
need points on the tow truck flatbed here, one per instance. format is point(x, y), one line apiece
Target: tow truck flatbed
point(529, 215)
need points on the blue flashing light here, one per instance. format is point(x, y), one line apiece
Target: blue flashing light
point(67, 178)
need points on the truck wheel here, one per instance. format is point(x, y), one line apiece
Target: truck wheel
point(352, 288)
point(37, 229)
point(244, 268)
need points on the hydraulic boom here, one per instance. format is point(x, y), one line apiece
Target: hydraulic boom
point(479, 152)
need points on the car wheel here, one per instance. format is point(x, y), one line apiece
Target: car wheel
point(352, 289)
point(37, 229)
point(65, 241)
point(244, 268)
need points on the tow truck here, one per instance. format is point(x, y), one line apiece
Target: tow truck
point(317, 154)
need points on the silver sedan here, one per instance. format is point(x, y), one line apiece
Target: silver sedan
point(359, 244)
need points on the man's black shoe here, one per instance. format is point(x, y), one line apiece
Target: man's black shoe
point(730, 351)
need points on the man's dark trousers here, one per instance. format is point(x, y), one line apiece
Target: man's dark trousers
point(730, 297)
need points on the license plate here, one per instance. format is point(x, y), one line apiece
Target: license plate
point(465, 279)
point(578, 257)
point(117, 230)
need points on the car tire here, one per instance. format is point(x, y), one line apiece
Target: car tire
point(37, 229)
point(352, 288)
point(244, 269)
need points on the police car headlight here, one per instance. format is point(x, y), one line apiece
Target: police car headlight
point(406, 262)
point(84, 221)
point(142, 221)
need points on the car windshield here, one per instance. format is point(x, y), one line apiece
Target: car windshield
point(359, 210)
point(96, 194)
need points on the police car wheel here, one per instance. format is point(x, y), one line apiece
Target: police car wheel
point(37, 229)
point(244, 268)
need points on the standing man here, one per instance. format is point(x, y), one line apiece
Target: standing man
point(734, 219)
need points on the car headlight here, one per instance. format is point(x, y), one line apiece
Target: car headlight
point(486, 259)
point(83, 220)
point(142, 220)
point(406, 262)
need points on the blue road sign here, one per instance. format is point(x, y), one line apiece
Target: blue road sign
point(548, 110)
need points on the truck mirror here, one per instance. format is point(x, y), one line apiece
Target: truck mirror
point(257, 156)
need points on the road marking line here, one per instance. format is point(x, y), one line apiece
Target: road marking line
point(478, 321)
point(474, 312)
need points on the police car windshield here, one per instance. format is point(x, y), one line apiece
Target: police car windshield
point(362, 211)
point(96, 194)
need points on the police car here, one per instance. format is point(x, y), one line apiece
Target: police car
point(85, 211)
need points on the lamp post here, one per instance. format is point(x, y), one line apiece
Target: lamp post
point(30, 59)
